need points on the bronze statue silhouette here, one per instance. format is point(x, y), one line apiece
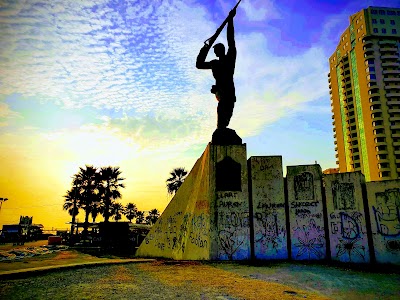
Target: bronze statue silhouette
point(223, 70)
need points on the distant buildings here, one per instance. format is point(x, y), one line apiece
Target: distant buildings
point(364, 83)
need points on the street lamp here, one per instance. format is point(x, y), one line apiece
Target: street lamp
point(1, 201)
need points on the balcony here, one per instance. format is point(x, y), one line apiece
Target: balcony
point(388, 49)
point(388, 42)
point(393, 94)
point(392, 87)
point(394, 119)
point(368, 42)
point(396, 71)
point(374, 93)
point(391, 79)
point(391, 64)
point(393, 102)
point(394, 110)
point(389, 56)
point(368, 55)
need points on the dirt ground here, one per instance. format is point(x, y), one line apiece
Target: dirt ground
point(163, 279)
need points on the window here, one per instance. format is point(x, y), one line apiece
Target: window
point(371, 76)
point(375, 30)
point(374, 11)
point(392, 22)
point(382, 21)
point(382, 12)
point(383, 30)
point(398, 12)
point(394, 31)
point(391, 13)
point(374, 21)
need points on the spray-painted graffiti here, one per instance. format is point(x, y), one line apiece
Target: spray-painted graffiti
point(180, 230)
point(233, 232)
point(351, 232)
point(309, 241)
point(343, 196)
point(387, 213)
point(268, 232)
point(304, 186)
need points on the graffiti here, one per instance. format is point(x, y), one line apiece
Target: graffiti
point(268, 206)
point(202, 205)
point(350, 242)
point(222, 195)
point(228, 175)
point(268, 232)
point(304, 186)
point(234, 231)
point(349, 225)
point(393, 246)
point(351, 247)
point(295, 204)
point(230, 204)
point(387, 213)
point(310, 240)
point(343, 196)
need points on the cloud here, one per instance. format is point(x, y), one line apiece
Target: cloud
point(260, 10)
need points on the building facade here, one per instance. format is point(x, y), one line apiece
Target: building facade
point(364, 87)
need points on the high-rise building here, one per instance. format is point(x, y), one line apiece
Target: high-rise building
point(364, 86)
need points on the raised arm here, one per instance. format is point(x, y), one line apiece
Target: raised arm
point(231, 30)
point(201, 62)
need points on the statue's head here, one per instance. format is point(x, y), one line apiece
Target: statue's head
point(219, 49)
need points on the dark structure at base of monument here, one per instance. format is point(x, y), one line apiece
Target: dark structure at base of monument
point(234, 208)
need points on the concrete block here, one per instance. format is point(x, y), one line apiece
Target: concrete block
point(384, 210)
point(346, 217)
point(268, 201)
point(306, 212)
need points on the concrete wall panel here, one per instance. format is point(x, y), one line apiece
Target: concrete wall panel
point(346, 217)
point(231, 228)
point(268, 202)
point(384, 210)
point(306, 217)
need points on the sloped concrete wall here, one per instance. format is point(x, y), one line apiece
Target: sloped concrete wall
point(208, 218)
point(230, 228)
point(346, 217)
point(384, 210)
point(268, 202)
point(306, 216)
point(183, 230)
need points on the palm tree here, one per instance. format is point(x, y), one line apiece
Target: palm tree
point(71, 205)
point(116, 210)
point(95, 210)
point(152, 217)
point(112, 181)
point(87, 180)
point(139, 217)
point(178, 176)
point(130, 211)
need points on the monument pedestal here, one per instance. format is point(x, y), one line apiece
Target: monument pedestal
point(208, 218)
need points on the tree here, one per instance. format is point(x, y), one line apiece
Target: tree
point(152, 217)
point(111, 183)
point(95, 210)
point(139, 217)
point(87, 180)
point(130, 211)
point(178, 176)
point(71, 204)
point(116, 210)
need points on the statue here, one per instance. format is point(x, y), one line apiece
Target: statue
point(223, 69)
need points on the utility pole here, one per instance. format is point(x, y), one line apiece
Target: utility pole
point(1, 202)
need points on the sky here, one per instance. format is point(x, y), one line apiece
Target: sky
point(100, 82)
